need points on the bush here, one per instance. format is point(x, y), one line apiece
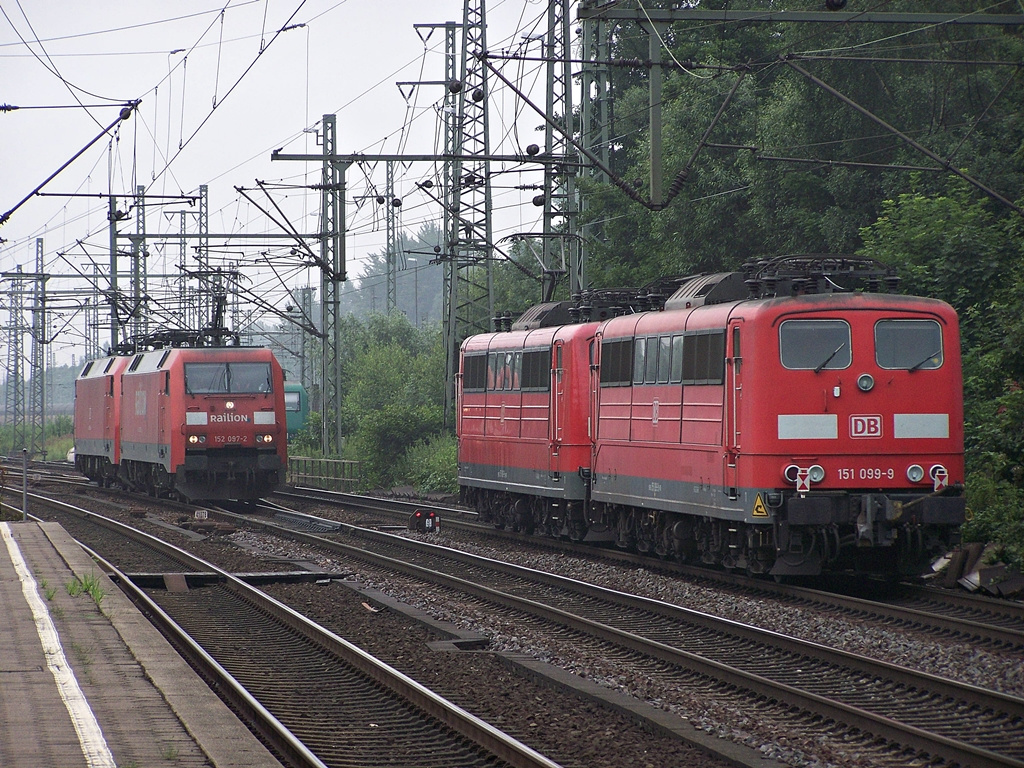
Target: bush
point(430, 465)
point(306, 442)
point(383, 437)
point(996, 516)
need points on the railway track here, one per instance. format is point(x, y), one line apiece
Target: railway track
point(974, 619)
point(890, 753)
point(930, 716)
point(342, 706)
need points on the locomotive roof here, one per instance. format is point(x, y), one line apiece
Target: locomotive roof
point(717, 315)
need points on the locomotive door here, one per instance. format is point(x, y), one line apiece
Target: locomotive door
point(557, 416)
point(733, 407)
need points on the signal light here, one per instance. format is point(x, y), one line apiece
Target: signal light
point(424, 521)
point(915, 473)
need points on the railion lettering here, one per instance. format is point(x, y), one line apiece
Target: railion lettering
point(225, 417)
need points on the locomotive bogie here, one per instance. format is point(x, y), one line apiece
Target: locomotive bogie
point(789, 435)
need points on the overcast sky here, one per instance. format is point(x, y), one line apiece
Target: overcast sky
point(213, 107)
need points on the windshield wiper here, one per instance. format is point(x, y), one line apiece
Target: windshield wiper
point(828, 359)
point(936, 353)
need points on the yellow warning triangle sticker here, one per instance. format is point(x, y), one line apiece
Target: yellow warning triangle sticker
point(760, 510)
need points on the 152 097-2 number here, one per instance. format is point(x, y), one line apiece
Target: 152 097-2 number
point(231, 439)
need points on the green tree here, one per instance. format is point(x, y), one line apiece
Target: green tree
point(746, 197)
point(952, 246)
point(393, 392)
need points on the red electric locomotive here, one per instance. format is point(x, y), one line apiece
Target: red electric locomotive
point(98, 419)
point(522, 422)
point(769, 422)
point(205, 423)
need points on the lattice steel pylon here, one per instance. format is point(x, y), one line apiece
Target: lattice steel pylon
point(561, 243)
point(468, 276)
point(332, 255)
point(139, 317)
point(595, 114)
point(394, 256)
point(15, 404)
point(37, 375)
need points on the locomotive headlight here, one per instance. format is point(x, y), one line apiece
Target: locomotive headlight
point(790, 472)
point(230, 405)
point(197, 439)
point(865, 382)
point(935, 470)
point(816, 473)
point(264, 438)
point(915, 473)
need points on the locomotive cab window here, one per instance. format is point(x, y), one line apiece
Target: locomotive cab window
point(293, 401)
point(908, 345)
point(815, 345)
point(227, 378)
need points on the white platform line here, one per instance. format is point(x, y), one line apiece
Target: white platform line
point(90, 735)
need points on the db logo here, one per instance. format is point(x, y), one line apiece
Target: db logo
point(865, 426)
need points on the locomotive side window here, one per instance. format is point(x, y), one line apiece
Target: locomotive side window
point(474, 373)
point(704, 357)
point(639, 360)
point(677, 359)
point(227, 378)
point(504, 371)
point(536, 370)
point(616, 363)
point(492, 370)
point(814, 345)
point(908, 345)
point(656, 360)
point(664, 359)
point(651, 370)
point(507, 370)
